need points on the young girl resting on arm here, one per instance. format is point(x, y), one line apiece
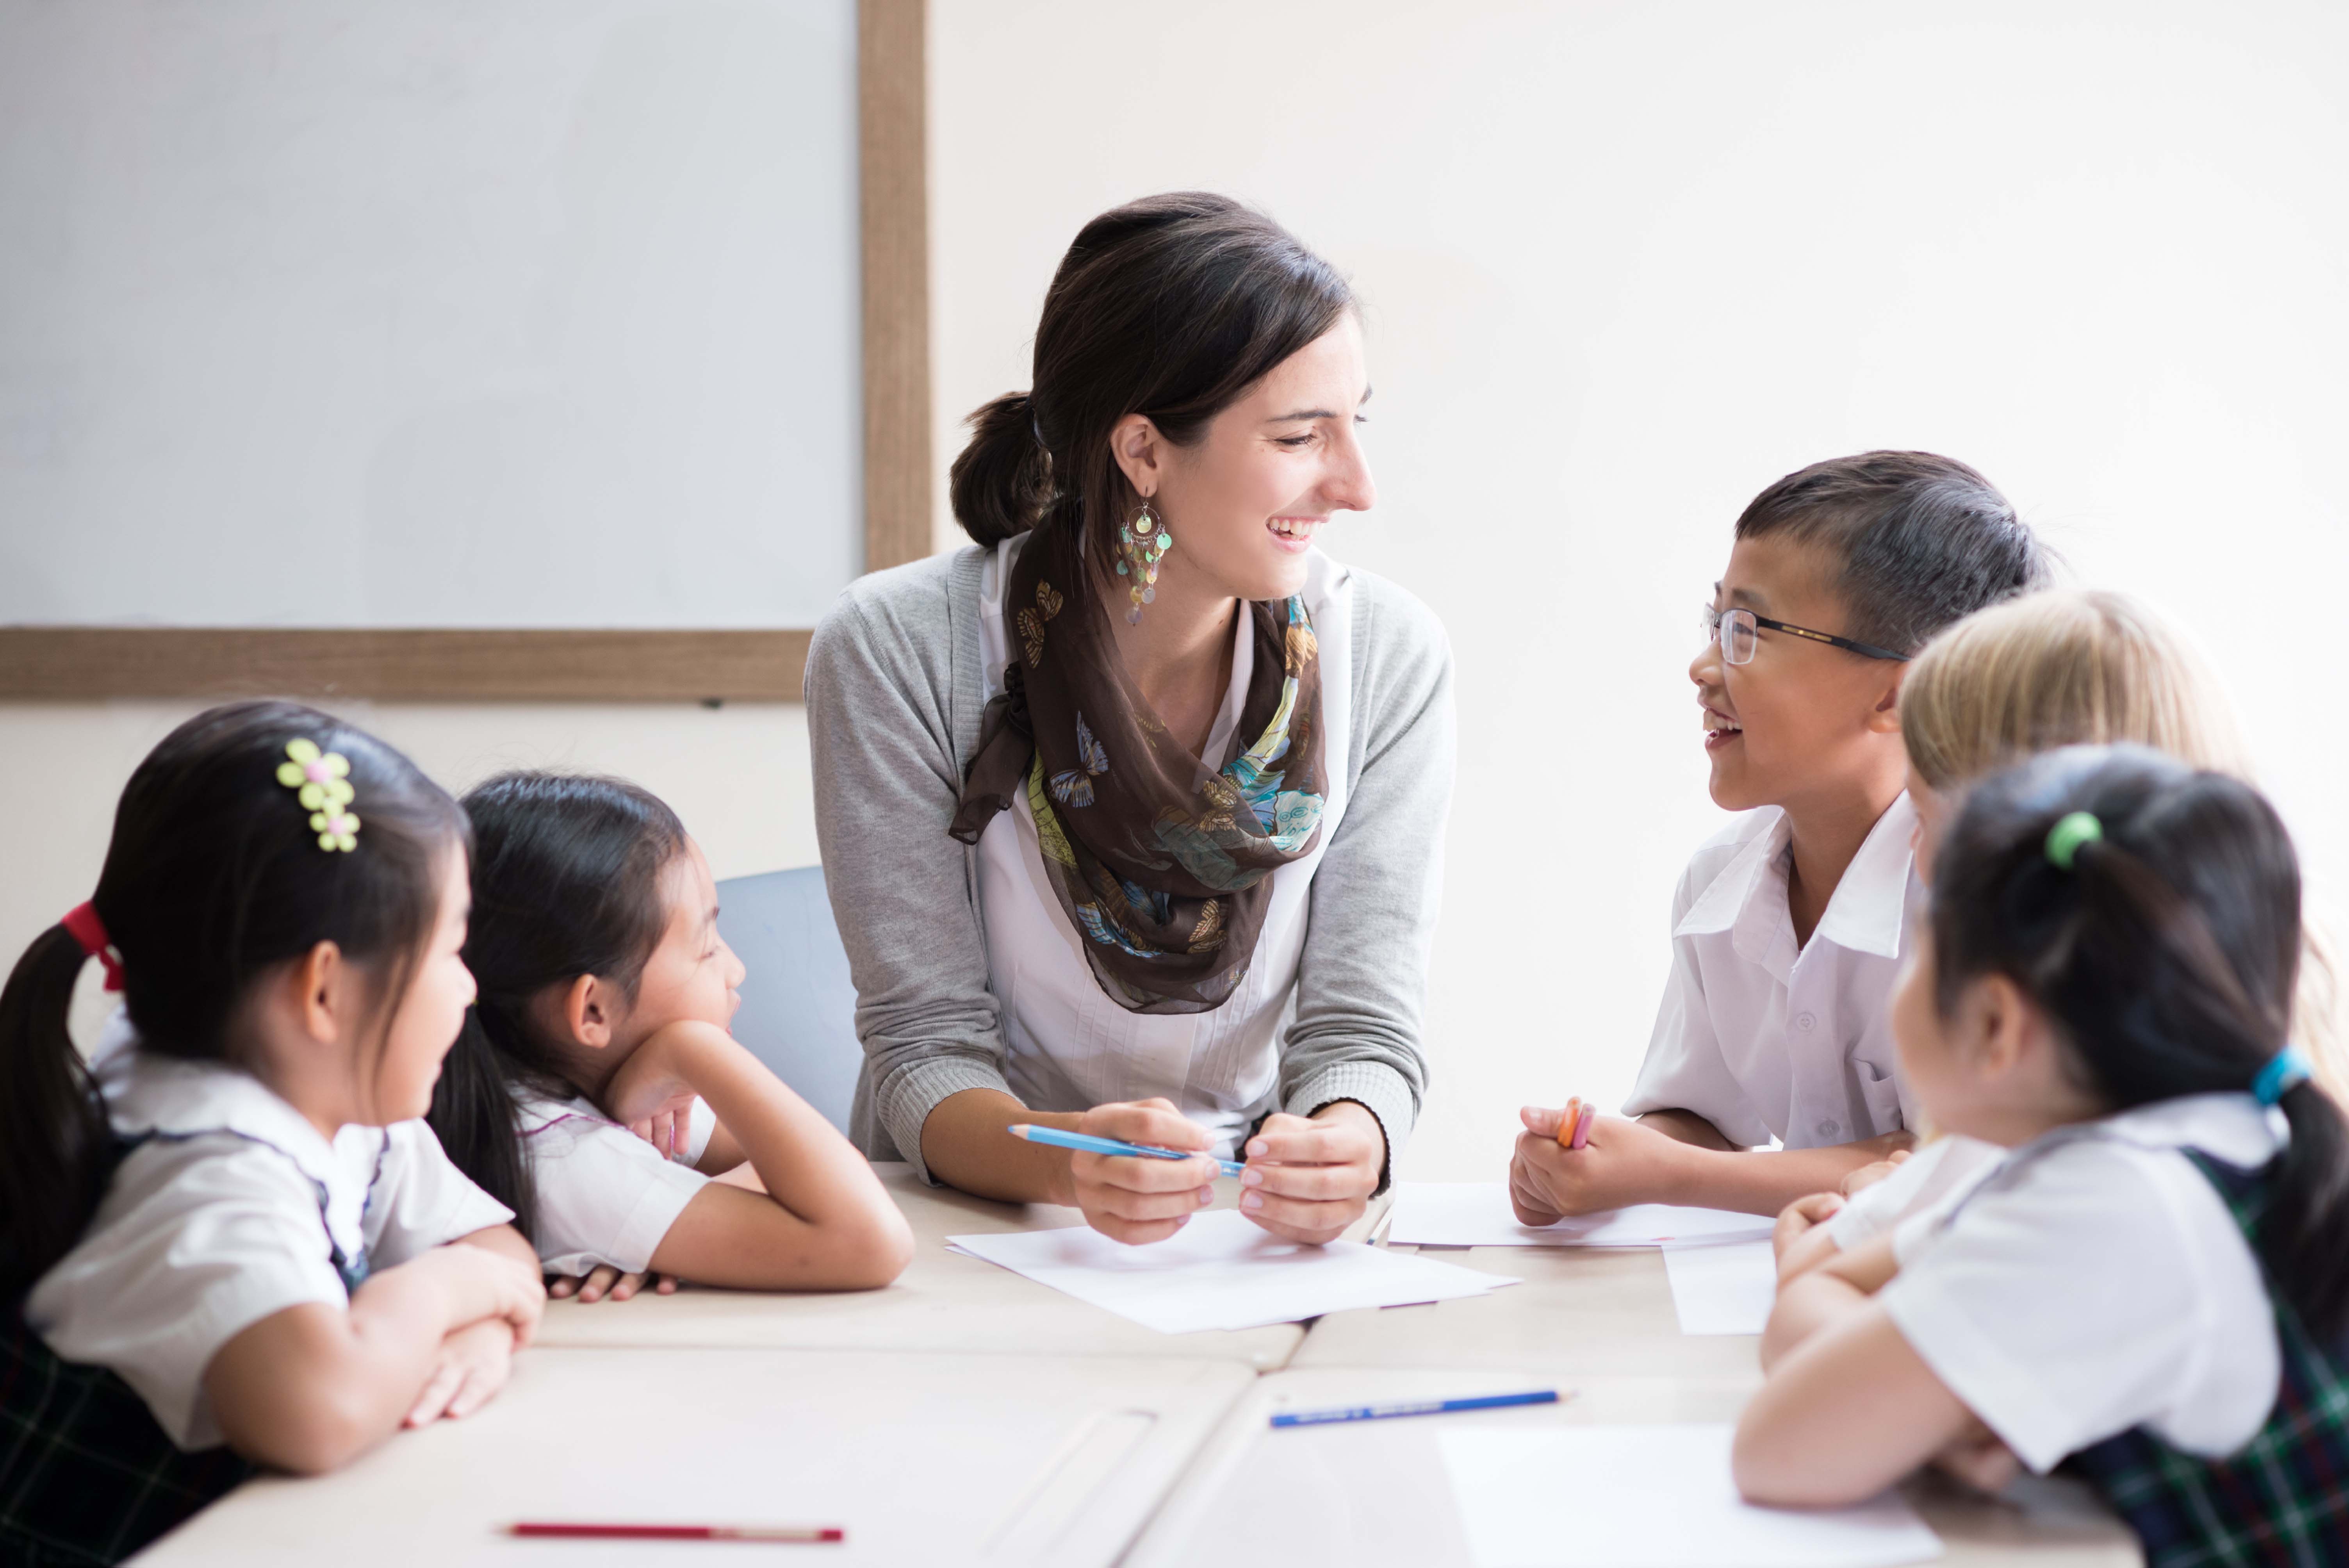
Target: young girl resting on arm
point(230, 1222)
point(606, 994)
point(2152, 1281)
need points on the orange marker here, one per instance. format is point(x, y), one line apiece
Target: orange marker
point(1567, 1119)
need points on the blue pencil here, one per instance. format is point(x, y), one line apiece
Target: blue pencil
point(1092, 1145)
point(1416, 1408)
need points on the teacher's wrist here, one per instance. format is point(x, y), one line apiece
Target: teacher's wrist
point(1354, 1110)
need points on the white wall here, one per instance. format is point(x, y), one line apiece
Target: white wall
point(1625, 265)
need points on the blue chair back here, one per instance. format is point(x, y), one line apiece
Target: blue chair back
point(799, 1006)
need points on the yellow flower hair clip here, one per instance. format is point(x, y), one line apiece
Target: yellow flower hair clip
point(321, 780)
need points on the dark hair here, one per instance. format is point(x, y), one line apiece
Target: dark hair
point(1923, 540)
point(1172, 307)
point(567, 882)
point(214, 876)
point(2167, 954)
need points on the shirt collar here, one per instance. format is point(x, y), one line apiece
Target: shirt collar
point(1865, 914)
point(1871, 903)
point(147, 1094)
point(2232, 1128)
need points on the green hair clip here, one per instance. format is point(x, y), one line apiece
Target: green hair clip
point(2070, 832)
point(321, 781)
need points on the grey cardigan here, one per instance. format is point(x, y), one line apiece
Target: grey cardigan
point(893, 685)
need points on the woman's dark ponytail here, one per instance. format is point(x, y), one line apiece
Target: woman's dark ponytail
point(2164, 939)
point(1002, 483)
point(53, 1131)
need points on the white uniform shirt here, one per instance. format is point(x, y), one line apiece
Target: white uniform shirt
point(604, 1195)
point(2094, 1281)
point(1067, 1046)
point(1763, 1039)
point(233, 1207)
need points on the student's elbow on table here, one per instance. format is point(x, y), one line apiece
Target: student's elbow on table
point(1773, 1468)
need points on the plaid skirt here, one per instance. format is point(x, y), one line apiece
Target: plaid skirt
point(86, 1476)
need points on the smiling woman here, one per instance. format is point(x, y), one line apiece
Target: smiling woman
point(1131, 813)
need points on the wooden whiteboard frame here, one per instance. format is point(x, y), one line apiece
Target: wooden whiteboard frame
point(487, 665)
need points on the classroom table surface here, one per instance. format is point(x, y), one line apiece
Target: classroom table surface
point(921, 1458)
point(1578, 1310)
point(944, 1302)
point(1373, 1494)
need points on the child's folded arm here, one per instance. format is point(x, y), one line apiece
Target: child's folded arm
point(826, 1222)
point(1847, 1410)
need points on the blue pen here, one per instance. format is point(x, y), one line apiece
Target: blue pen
point(1416, 1408)
point(1092, 1145)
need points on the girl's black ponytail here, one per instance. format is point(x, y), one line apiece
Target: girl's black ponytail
point(214, 876)
point(53, 1131)
point(2154, 912)
point(473, 1116)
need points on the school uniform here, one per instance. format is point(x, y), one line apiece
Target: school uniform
point(1767, 1037)
point(1933, 1177)
point(2097, 1296)
point(604, 1195)
point(225, 1206)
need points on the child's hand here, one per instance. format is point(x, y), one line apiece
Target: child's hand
point(491, 1287)
point(668, 1129)
point(1869, 1175)
point(1623, 1162)
point(474, 1364)
point(1799, 1218)
point(1979, 1458)
point(604, 1280)
point(657, 1080)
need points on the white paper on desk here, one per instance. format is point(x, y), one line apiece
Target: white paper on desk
point(1650, 1497)
point(1722, 1287)
point(1221, 1271)
point(1477, 1215)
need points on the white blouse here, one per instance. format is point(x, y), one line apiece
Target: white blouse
point(1768, 1037)
point(604, 1195)
point(2094, 1281)
point(232, 1207)
point(1068, 1046)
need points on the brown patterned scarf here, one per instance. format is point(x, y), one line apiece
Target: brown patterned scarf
point(1163, 863)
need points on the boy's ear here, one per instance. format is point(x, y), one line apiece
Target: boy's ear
point(1884, 719)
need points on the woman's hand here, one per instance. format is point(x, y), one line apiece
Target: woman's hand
point(603, 1280)
point(1622, 1162)
point(475, 1362)
point(1134, 1200)
point(1310, 1178)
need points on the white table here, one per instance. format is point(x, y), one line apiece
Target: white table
point(1581, 1310)
point(923, 1459)
point(1373, 1494)
point(944, 1302)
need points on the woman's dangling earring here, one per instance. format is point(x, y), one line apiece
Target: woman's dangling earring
point(1140, 546)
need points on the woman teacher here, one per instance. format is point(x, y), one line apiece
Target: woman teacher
point(1132, 812)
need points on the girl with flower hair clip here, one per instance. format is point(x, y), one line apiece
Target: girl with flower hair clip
point(225, 1239)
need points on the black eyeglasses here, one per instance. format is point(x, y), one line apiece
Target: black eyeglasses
point(1734, 630)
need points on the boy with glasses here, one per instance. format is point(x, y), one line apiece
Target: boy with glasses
point(1787, 927)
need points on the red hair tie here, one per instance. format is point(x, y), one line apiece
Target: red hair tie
point(82, 921)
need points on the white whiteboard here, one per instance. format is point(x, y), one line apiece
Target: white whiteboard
point(427, 312)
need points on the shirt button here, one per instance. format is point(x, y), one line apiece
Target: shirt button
point(1805, 1020)
point(1828, 1129)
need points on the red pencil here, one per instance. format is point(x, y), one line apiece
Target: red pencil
point(803, 1533)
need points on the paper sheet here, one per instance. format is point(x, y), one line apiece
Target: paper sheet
point(1722, 1287)
point(1477, 1215)
point(1221, 1271)
point(1650, 1497)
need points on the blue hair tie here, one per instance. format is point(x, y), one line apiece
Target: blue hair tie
point(2286, 1068)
